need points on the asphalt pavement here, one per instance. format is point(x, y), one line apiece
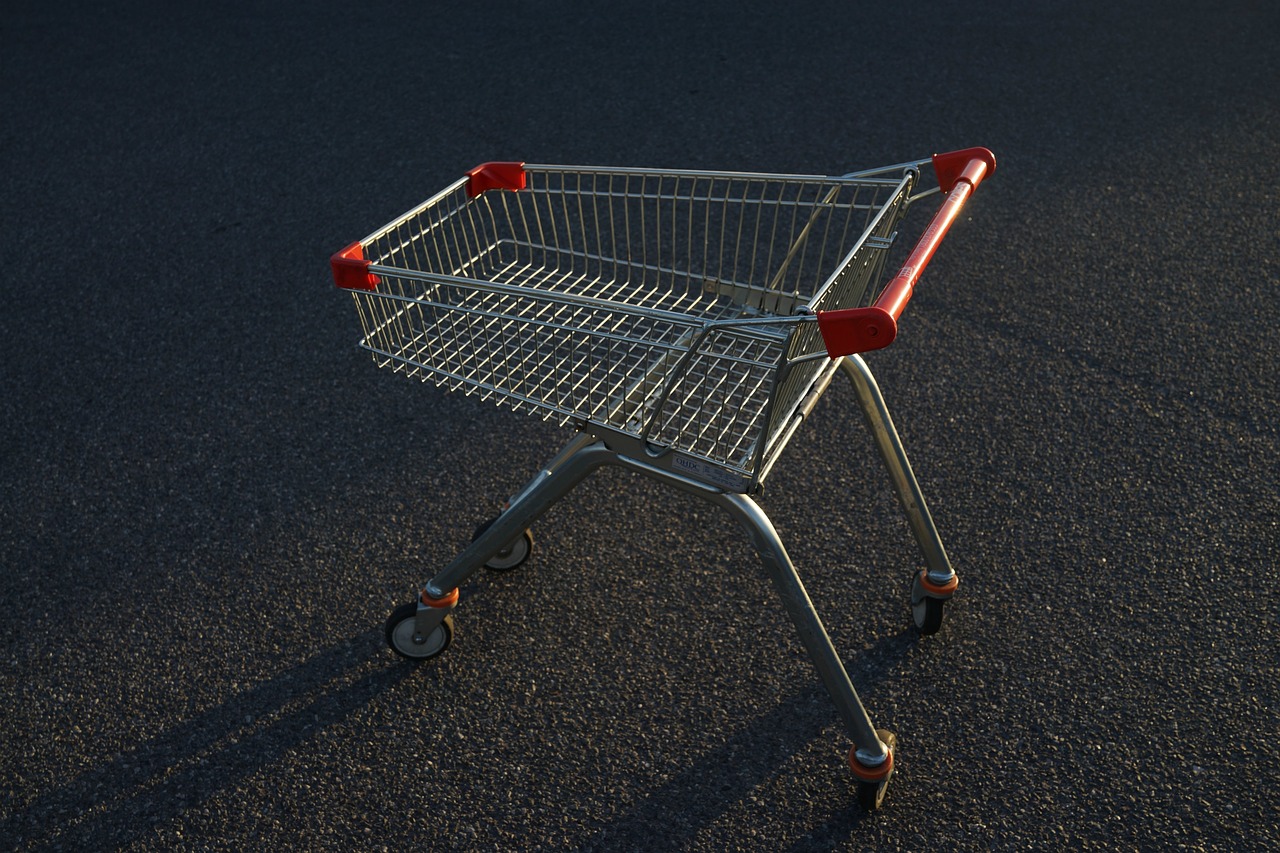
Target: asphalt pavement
point(211, 499)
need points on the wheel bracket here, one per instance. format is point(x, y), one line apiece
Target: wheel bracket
point(924, 586)
point(431, 612)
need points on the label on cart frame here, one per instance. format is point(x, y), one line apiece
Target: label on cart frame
point(708, 473)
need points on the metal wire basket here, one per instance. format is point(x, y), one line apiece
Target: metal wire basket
point(673, 307)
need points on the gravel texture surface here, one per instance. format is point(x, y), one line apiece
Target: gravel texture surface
point(211, 500)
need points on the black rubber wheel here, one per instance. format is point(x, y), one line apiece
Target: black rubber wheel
point(871, 794)
point(512, 555)
point(402, 634)
point(928, 615)
point(926, 612)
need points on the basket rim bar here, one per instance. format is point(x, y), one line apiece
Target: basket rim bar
point(860, 177)
point(432, 201)
point(878, 176)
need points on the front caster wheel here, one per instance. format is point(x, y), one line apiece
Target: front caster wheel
point(871, 794)
point(403, 638)
point(512, 555)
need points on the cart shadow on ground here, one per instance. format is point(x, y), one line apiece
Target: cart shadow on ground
point(160, 779)
point(124, 799)
point(673, 815)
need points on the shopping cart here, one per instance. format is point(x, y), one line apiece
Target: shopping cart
point(684, 323)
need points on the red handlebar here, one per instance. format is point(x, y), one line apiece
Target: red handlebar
point(849, 330)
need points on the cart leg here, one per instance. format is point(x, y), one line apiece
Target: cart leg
point(871, 757)
point(579, 458)
point(575, 444)
point(939, 580)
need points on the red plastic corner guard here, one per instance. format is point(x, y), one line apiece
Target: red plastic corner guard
point(956, 165)
point(495, 176)
point(851, 330)
point(351, 270)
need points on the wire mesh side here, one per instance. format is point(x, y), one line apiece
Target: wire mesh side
point(690, 241)
point(854, 284)
point(715, 401)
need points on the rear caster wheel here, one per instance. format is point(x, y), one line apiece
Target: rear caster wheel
point(512, 555)
point(404, 640)
point(871, 794)
point(927, 602)
point(928, 615)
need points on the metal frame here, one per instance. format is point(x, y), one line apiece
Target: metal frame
point(685, 322)
point(587, 452)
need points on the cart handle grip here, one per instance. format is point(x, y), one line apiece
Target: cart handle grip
point(850, 330)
